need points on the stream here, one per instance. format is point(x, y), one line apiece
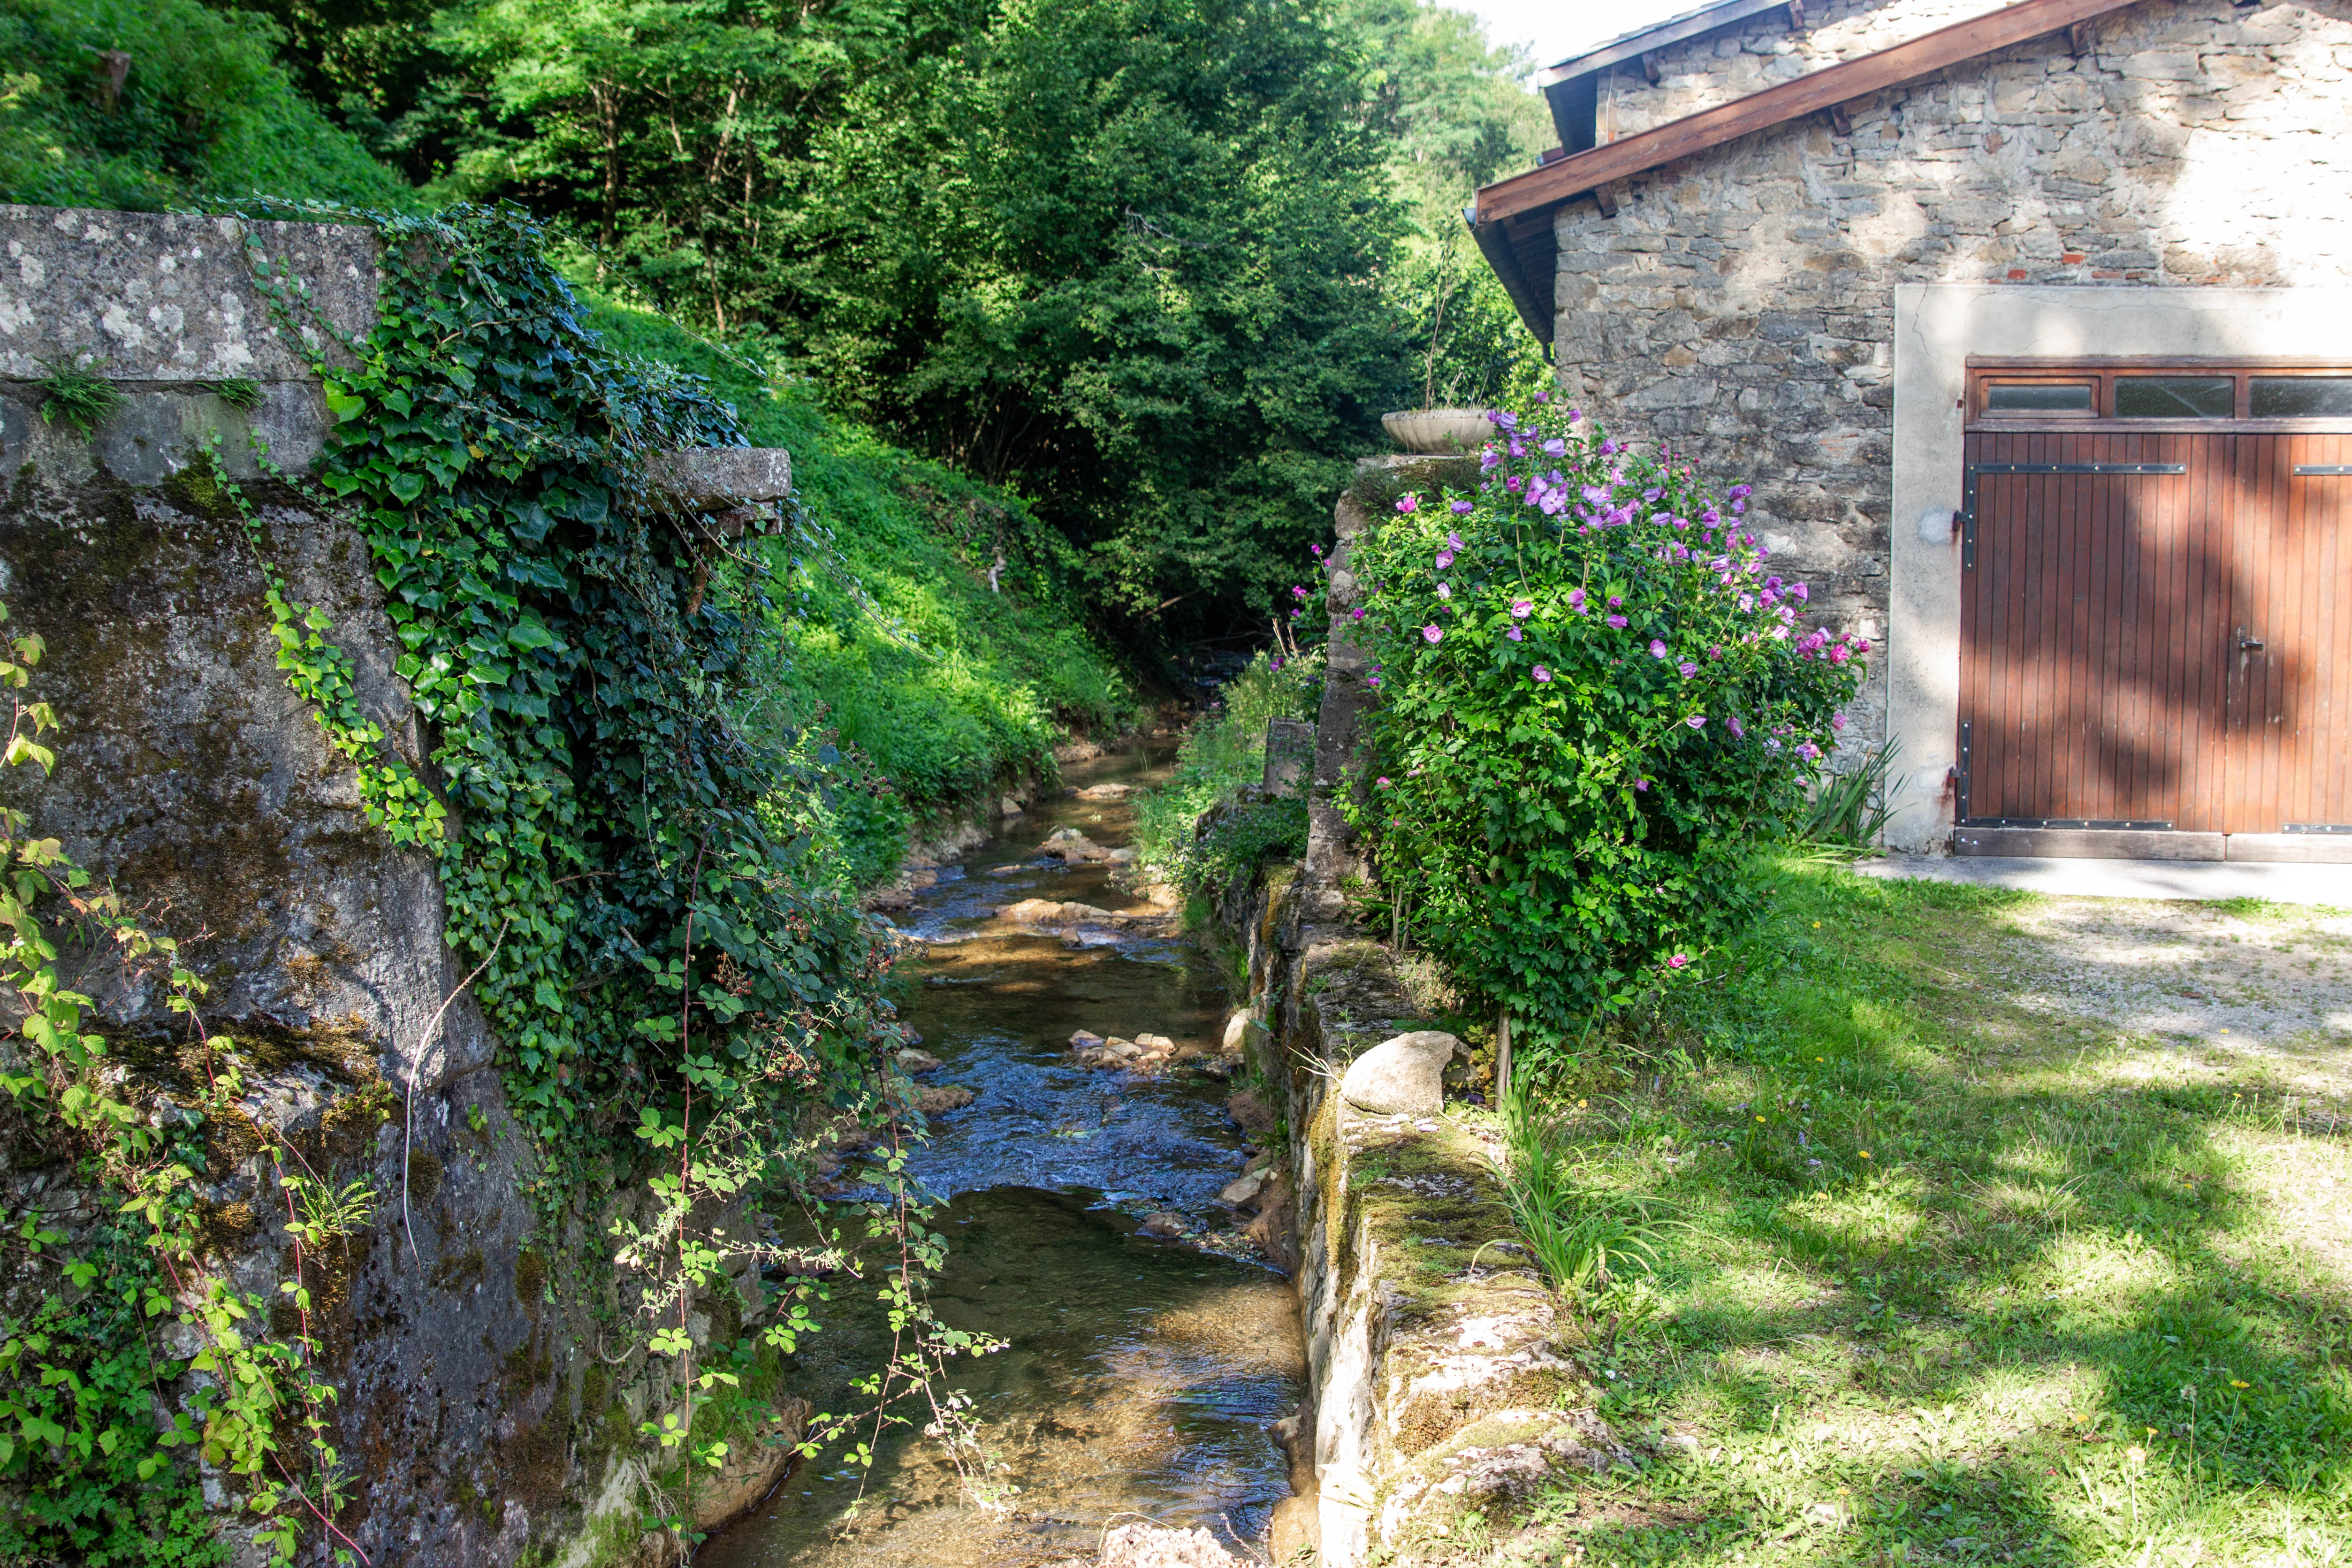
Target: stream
point(1140, 1374)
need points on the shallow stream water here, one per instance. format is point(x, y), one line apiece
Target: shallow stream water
point(1140, 1374)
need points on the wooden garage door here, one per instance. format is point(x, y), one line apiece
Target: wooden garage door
point(2152, 625)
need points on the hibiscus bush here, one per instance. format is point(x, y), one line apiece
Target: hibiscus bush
point(1598, 700)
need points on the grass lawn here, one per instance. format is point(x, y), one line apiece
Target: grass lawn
point(2006, 1229)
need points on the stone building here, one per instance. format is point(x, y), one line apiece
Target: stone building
point(2033, 326)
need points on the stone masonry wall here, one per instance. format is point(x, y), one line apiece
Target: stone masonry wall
point(1740, 305)
point(482, 1421)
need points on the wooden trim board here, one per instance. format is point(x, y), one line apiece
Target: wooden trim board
point(2086, 844)
point(1580, 173)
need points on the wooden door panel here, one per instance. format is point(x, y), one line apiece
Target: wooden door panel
point(2094, 624)
point(2287, 703)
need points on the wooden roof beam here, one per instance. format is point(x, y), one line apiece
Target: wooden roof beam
point(1593, 170)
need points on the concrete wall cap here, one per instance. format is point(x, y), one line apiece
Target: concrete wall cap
point(721, 476)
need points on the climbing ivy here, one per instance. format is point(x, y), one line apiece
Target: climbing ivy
point(576, 682)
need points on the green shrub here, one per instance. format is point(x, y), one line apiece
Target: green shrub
point(150, 105)
point(1223, 753)
point(1597, 701)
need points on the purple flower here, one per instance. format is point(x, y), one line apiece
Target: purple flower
point(1276, 664)
point(1357, 614)
point(1840, 654)
point(1296, 593)
point(1696, 720)
point(1464, 507)
point(1555, 446)
point(1452, 541)
point(1371, 680)
point(1688, 669)
point(1657, 649)
point(1512, 632)
point(1801, 593)
point(1738, 731)
point(1541, 673)
point(1431, 633)
point(1837, 722)
point(1618, 622)
point(1445, 590)
point(1736, 491)
point(1407, 503)
point(1543, 398)
point(1640, 783)
point(1862, 644)
point(1679, 961)
point(1809, 750)
point(1614, 602)
point(1444, 558)
point(1522, 608)
point(1576, 600)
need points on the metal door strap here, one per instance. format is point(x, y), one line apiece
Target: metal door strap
point(2324, 470)
point(1968, 499)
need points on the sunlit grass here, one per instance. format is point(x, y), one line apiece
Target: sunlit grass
point(1967, 1277)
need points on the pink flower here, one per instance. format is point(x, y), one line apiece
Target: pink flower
point(1614, 602)
point(1696, 720)
point(1679, 961)
point(1522, 608)
point(1445, 590)
point(1862, 644)
point(1444, 558)
point(1618, 622)
point(1657, 649)
point(1837, 720)
point(1431, 633)
point(1512, 632)
point(1407, 503)
point(1840, 654)
point(1383, 780)
point(1541, 674)
point(1688, 668)
point(1640, 783)
point(1359, 614)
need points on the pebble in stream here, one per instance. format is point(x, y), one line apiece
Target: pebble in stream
point(1140, 1374)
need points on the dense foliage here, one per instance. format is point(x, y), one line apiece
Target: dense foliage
point(646, 931)
point(147, 105)
point(1596, 699)
point(1147, 261)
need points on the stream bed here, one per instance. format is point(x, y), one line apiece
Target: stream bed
point(1138, 1375)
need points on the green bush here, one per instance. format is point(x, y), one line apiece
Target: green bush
point(1223, 753)
point(146, 106)
point(1597, 701)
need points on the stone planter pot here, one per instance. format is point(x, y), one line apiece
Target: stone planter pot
point(1442, 431)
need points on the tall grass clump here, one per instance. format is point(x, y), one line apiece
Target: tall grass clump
point(1589, 1241)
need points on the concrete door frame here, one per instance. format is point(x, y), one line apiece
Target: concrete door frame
point(1937, 327)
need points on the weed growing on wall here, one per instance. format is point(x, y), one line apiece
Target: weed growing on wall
point(1597, 699)
point(81, 1443)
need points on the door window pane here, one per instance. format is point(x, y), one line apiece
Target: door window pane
point(2176, 396)
point(2302, 398)
point(2038, 398)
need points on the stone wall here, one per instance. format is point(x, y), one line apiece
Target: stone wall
point(1441, 1375)
point(1740, 306)
point(479, 1418)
